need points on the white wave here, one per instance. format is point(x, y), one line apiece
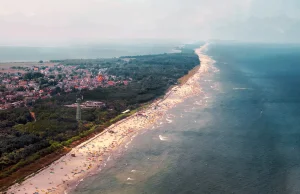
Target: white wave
point(133, 170)
point(242, 88)
point(162, 138)
point(169, 120)
point(126, 145)
point(143, 132)
point(170, 116)
point(199, 103)
point(130, 179)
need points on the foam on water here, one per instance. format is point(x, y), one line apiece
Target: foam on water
point(242, 88)
point(163, 138)
point(169, 120)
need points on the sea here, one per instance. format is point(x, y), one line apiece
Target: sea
point(82, 51)
point(241, 135)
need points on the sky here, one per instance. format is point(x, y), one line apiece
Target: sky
point(50, 22)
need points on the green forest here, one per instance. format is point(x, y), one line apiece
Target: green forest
point(24, 139)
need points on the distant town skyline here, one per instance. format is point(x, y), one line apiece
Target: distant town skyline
point(57, 22)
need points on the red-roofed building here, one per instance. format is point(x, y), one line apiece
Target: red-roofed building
point(111, 83)
point(22, 83)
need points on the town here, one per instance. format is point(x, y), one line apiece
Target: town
point(23, 85)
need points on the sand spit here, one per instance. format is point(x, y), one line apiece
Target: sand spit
point(92, 155)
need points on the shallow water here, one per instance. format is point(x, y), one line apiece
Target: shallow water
point(241, 136)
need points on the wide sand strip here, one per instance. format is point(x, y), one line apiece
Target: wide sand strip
point(93, 154)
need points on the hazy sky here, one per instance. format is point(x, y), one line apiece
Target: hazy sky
point(66, 21)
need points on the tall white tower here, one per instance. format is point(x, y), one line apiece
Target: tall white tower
point(78, 112)
point(79, 98)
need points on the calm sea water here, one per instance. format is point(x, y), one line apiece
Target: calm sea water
point(241, 136)
point(19, 53)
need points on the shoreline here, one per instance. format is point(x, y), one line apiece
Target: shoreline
point(86, 158)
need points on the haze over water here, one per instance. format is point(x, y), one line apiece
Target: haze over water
point(240, 136)
point(89, 51)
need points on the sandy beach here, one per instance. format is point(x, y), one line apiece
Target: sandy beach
point(93, 154)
